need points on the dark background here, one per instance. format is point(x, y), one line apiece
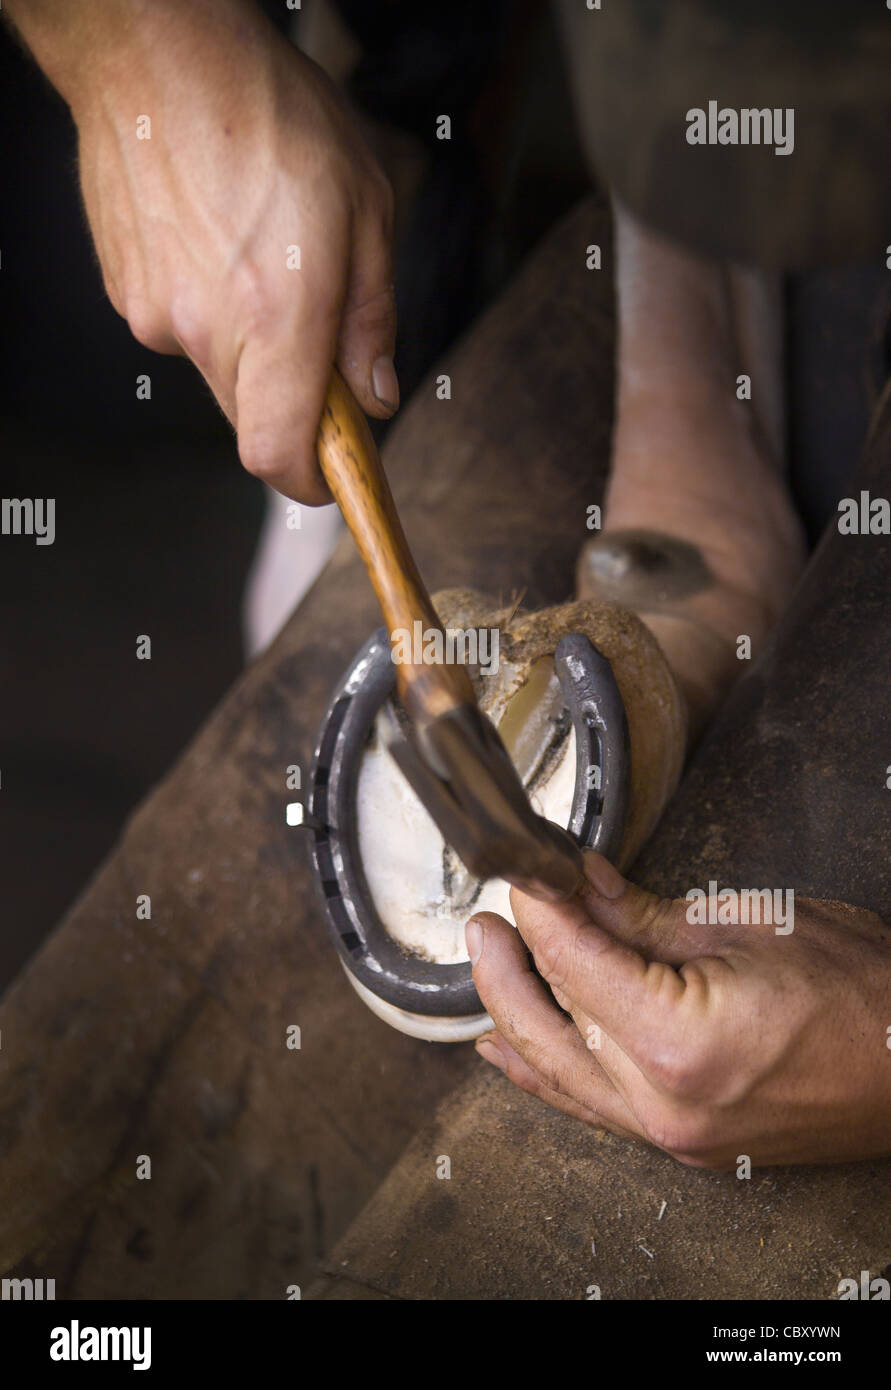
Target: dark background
point(155, 527)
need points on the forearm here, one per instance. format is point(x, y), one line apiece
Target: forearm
point(80, 45)
point(215, 160)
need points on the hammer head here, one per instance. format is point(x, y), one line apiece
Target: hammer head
point(463, 775)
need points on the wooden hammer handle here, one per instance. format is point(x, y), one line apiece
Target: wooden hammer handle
point(353, 471)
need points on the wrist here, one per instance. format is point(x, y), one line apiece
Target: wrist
point(85, 48)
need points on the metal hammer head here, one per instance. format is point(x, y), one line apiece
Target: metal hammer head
point(463, 774)
point(461, 771)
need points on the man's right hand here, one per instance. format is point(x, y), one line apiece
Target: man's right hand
point(247, 227)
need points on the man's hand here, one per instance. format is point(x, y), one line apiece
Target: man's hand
point(712, 1042)
point(247, 226)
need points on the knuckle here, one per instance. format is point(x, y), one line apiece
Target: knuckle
point(553, 957)
point(562, 998)
point(690, 1138)
point(682, 1069)
point(261, 456)
point(374, 314)
point(654, 914)
point(710, 1160)
point(191, 331)
point(146, 324)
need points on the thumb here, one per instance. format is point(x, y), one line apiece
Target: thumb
point(368, 326)
point(656, 927)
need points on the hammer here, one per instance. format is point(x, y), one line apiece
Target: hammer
point(448, 750)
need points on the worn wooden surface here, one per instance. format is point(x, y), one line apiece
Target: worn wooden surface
point(167, 1038)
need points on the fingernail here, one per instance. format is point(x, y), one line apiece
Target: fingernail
point(490, 1053)
point(473, 937)
point(384, 383)
point(603, 876)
